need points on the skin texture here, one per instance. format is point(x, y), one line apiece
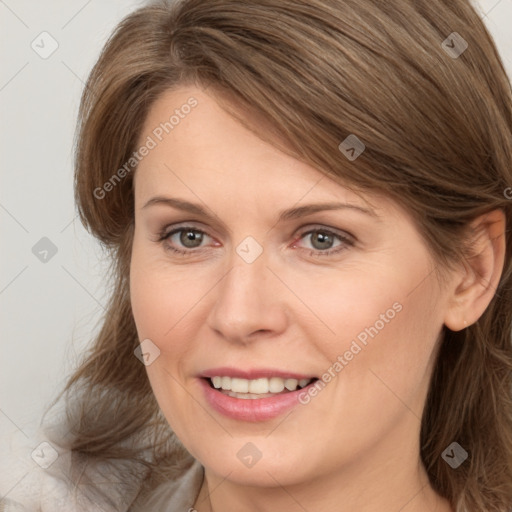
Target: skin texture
point(355, 445)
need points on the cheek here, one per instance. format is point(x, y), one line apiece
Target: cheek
point(162, 300)
point(347, 305)
point(377, 334)
point(378, 370)
point(393, 349)
point(165, 305)
point(159, 305)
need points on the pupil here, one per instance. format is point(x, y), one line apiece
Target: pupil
point(189, 238)
point(322, 238)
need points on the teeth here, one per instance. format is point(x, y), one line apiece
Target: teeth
point(291, 384)
point(225, 383)
point(238, 385)
point(257, 386)
point(276, 385)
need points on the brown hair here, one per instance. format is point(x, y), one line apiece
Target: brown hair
point(438, 136)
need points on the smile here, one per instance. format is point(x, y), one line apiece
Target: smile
point(256, 388)
point(253, 396)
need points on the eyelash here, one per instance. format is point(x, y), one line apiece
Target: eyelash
point(346, 241)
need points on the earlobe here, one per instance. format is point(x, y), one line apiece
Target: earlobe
point(476, 285)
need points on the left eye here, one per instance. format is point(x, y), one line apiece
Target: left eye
point(322, 242)
point(322, 239)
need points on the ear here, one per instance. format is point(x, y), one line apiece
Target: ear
point(475, 286)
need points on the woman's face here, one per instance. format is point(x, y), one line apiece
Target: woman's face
point(260, 290)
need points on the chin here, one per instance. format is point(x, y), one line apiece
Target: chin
point(255, 461)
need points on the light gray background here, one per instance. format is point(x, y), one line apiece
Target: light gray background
point(49, 310)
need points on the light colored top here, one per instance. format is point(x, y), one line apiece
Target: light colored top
point(177, 496)
point(27, 486)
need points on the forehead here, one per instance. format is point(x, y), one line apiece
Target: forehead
point(205, 135)
point(198, 147)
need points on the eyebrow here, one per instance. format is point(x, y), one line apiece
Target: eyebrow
point(292, 213)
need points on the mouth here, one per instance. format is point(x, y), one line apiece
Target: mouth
point(251, 389)
point(253, 396)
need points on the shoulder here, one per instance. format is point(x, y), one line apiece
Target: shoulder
point(178, 495)
point(40, 474)
point(27, 474)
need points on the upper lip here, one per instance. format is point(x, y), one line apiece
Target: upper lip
point(253, 373)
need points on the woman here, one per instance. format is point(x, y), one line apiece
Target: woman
point(306, 206)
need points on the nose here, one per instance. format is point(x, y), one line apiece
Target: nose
point(248, 302)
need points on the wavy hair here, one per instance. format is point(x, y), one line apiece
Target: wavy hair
point(438, 134)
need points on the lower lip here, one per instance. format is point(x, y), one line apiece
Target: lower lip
point(251, 409)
